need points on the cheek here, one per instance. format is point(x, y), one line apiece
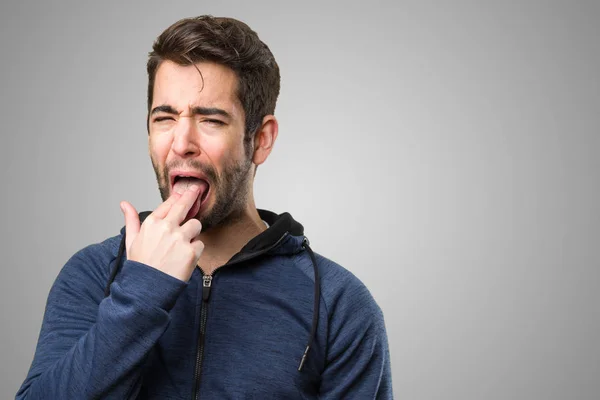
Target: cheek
point(158, 148)
point(219, 152)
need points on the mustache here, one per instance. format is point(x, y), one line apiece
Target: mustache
point(208, 170)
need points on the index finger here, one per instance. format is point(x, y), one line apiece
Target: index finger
point(162, 210)
point(180, 209)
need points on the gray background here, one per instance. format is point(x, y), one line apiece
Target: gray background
point(446, 153)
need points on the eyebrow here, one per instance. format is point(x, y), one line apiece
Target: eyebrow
point(195, 111)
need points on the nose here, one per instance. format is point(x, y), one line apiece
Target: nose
point(186, 138)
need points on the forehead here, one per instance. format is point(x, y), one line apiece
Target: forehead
point(182, 86)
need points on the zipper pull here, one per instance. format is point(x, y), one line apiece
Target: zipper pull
point(206, 285)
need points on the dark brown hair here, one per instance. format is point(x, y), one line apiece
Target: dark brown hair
point(228, 42)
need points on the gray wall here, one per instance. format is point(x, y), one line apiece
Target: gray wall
point(445, 153)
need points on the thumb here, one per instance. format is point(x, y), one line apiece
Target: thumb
point(132, 224)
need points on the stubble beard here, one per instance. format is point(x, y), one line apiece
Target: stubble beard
point(230, 191)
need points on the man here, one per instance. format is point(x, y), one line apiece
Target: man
point(207, 296)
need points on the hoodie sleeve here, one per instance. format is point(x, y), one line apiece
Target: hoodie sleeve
point(93, 347)
point(358, 358)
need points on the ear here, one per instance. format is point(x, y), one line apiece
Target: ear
point(265, 139)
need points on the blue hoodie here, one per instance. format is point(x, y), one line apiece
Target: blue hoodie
point(119, 329)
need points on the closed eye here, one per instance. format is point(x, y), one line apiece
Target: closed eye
point(215, 121)
point(159, 119)
point(209, 120)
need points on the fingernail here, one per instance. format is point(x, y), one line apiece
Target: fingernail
point(194, 188)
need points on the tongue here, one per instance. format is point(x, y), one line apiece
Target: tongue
point(182, 185)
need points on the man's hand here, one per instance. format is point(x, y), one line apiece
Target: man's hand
point(162, 242)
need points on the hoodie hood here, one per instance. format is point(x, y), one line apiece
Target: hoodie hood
point(283, 236)
point(279, 226)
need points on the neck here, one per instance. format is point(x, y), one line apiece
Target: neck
point(224, 241)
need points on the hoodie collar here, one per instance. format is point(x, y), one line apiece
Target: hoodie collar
point(283, 236)
point(279, 225)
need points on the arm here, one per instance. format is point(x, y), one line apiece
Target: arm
point(93, 347)
point(358, 359)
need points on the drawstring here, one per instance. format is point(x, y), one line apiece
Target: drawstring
point(115, 270)
point(315, 319)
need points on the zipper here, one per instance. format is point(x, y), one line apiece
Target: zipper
point(206, 288)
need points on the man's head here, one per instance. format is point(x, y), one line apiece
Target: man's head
point(212, 89)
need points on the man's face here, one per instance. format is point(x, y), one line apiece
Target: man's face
point(198, 126)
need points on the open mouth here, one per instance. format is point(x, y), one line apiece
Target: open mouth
point(180, 183)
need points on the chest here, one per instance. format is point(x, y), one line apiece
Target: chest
point(244, 342)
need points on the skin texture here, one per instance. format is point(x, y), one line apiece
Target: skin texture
point(213, 145)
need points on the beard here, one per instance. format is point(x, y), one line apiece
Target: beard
point(229, 190)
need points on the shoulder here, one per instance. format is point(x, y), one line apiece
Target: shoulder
point(343, 290)
point(344, 294)
point(96, 255)
point(88, 269)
